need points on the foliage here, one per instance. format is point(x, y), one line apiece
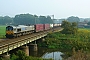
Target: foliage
point(22, 56)
point(5, 20)
point(2, 31)
point(73, 19)
point(69, 28)
point(79, 55)
point(25, 19)
point(19, 56)
point(44, 19)
point(88, 23)
point(1, 58)
point(31, 19)
point(81, 40)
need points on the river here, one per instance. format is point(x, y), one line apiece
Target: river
point(47, 53)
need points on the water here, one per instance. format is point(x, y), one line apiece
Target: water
point(47, 54)
point(53, 55)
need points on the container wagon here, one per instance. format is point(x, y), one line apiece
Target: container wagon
point(46, 26)
point(39, 27)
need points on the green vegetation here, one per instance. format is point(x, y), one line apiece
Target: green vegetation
point(20, 55)
point(69, 28)
point(2, 31)
point(25, 19)
point(79, 55)
point(5, 20)
point(69, 38)
point(31, 19)
point(84, 28)
point(66, 43)
point(73, 19)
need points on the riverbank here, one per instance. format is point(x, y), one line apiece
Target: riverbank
point(66, 42)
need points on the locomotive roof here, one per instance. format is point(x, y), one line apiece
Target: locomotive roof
point(18, 26)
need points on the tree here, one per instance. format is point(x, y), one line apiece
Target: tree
point(42, 19)
point(73, 19)
point(49, 20)
point(6, 20)
point(36, 20)
point(65, 24)
point(88, 23)
point(69, 28)
point(24, 19)
point(20, 55)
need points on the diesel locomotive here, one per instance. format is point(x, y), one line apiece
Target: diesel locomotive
point(20, 30)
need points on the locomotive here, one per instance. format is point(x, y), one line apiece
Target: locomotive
point(16, 31)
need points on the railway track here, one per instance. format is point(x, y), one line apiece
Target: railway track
point(10, 41)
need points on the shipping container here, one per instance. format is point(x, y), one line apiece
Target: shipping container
point(39, 27)
point(46, 26)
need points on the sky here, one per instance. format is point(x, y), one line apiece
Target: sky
point(58, 8)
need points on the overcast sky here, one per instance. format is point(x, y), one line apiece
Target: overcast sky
point(60, 8)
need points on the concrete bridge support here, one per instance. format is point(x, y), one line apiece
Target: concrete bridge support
point(33, 47)
point(25, 49)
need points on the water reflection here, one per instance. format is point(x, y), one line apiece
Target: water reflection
point(53, 55)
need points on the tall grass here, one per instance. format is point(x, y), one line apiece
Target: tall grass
point(79, 55)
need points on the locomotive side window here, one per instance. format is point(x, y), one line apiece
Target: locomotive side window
point(18, 30)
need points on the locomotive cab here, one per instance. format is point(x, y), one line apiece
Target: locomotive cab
point(9, 32)
point(9, 28)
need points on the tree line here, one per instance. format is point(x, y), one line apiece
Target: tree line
point(25, 19)
point(34, 19)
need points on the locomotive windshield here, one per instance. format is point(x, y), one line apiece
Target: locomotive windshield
point(9, 28)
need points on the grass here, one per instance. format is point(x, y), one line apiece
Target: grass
point(84, 28)
point(2, 31)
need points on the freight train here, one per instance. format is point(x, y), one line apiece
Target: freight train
point(20, 30)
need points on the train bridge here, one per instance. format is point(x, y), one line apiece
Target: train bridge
point(10, 44)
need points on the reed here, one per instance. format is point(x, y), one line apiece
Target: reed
point(79, 55)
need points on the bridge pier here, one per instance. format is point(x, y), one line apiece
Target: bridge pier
point(25, 49)
point(33, 47)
